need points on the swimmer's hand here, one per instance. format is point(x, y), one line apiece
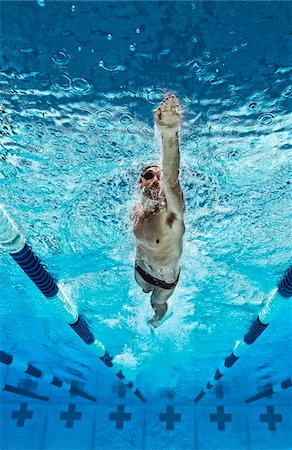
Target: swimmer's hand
point(168, 115)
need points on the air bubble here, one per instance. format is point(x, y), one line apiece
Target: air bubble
point(109, 37)
point(132, 47)
point(243, 41)
point(67, 33)
point(73, 7)
point(138, 31)
point(41, 3)
point(27, 50)
point(194, 39)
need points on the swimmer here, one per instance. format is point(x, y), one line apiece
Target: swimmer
point(158, 221)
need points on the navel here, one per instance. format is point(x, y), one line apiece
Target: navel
point(157, 241)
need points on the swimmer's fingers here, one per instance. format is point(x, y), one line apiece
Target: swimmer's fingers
point(157, 114)
point(168, 103)
point(172, 100)
point(169, 113)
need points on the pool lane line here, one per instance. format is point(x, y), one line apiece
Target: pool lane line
point(277, 387)
point(273, 307)
point(33, 371)
point(24, 392)
point(15, 244)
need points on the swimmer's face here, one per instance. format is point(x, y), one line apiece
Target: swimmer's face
point(150, 183)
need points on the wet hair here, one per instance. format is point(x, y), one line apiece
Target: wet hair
point(148, 167)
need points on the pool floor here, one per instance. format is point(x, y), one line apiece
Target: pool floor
point(118, 420)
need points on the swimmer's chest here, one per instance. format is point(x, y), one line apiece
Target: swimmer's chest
point(157, 229)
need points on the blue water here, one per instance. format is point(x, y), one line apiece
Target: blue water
point(79, 82)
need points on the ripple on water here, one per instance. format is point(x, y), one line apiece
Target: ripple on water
point(103, 119)
point(125, 119)
point(80, 85)
point(81, 138)
point(154, 95)
point(82, 141)
point(266, 119)
point(61, 58)
point(214, 80)
point(63, 82)
point(110, 61)
point(83, 118)
point(287, 92)
point(195, 66)
point(207, 58)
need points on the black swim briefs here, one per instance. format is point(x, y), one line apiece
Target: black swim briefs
point(155, 281)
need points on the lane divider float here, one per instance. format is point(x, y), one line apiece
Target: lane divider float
point(274, 305)
point(277, 387)
point(15, 244)
point(33, 371)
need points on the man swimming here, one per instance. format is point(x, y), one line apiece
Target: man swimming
point(158, 221)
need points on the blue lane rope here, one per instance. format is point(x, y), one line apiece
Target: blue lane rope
point(32, 266)
point(81, 328)
point(256, 329)
point(29, 369)
point(271, 390)
point(13, 241)
point(285, 284)
point(273, 307)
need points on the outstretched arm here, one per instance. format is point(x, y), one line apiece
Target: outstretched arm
point(168, 118)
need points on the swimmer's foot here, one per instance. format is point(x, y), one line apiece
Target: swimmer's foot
point(153, 322)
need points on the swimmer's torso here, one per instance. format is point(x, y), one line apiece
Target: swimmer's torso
point(159, 242)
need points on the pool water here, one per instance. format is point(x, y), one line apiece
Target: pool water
point(79, 82)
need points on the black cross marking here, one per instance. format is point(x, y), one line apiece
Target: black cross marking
point(70, 415)
point(220, 418)
point(169, 417)
point(120, 416)
point(271, 418)
point(21, 415)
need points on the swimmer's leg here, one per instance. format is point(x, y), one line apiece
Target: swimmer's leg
point(147, 287)
point(159, 299)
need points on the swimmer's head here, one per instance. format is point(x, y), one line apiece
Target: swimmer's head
point(151, 183)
